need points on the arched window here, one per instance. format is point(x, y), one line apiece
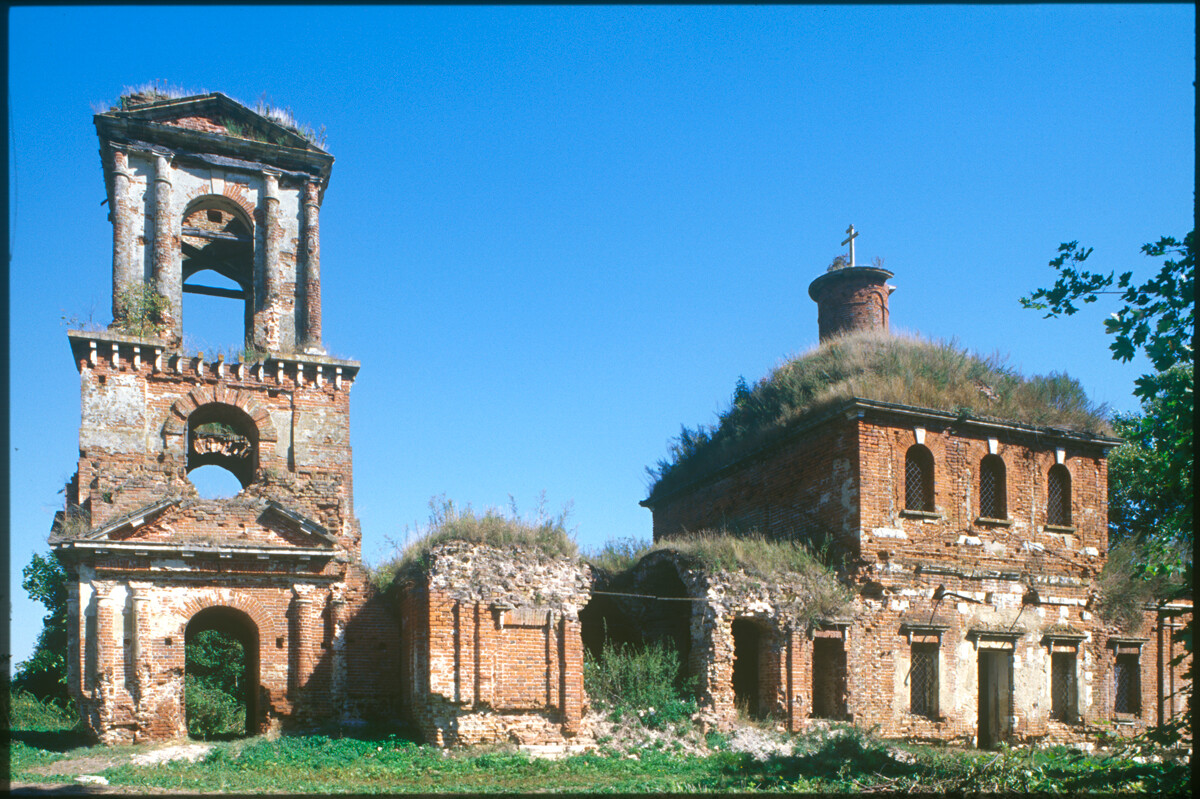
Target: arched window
point(1058, 496)
point(993, 490)
point(223, 435)
point(918, 478)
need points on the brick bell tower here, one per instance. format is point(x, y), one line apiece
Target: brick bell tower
point(851, 298)
point(200, 184)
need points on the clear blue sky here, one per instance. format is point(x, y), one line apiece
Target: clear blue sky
point(553, 235)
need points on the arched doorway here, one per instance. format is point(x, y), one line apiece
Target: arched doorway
point(221, 674)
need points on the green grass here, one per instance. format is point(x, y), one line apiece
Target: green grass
point(851, 762)
point(843, 760)
point(889, 368)
point(542, 533)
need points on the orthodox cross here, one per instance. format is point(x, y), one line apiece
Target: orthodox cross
point(851, 236)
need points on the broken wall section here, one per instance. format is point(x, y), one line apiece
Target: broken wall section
point(490, 643)
point(743, 631)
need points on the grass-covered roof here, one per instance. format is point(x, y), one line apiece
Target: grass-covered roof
point(901, 369)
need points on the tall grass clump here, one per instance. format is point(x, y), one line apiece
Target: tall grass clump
point(618, 554)
point(639, 681)
point(771, 561)
point(901, 369)
point(542, 533)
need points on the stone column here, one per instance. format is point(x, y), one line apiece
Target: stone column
point(168, 279)
point(108, 644)
point(337, 677)
point(266, 331)
point(302, 642)
point(123, 271)
point(138, 650)
point(312, 269)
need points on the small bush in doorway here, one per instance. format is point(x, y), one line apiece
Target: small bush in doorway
point(643, 682)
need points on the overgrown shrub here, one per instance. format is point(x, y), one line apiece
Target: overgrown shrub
point(210, 711)
point(140, 310)
point(889, 368)
point(1125, 585)
point(214, 684)
point(28, 712)
point(644, 681)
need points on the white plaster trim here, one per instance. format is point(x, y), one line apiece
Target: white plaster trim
point(993, 446)
point(1060, 455)
point(919, 433)
point(889, 532)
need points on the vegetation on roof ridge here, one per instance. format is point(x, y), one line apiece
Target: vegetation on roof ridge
point(902, 369)
point(764, 562)
point(541, 533)
point(159, 91)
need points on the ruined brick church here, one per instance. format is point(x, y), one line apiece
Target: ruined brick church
point(974, 543)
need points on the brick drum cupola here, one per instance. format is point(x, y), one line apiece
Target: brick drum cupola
point(197, 185)
point(851, 298)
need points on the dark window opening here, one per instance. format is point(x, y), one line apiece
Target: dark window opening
point(1058, 496)
point(918, 479)
point(923, 680)
point(1128, 678)
point(1062, 687)
point(993, 494)
point(221, 674)
point(829, 678)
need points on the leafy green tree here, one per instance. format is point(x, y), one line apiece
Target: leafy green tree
point(45, 673)
point(214, 684)
point(1151, 506)
point(1150, 477)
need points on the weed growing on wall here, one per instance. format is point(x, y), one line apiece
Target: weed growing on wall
point(141, 310)
point(808, 588)
point(542, 532)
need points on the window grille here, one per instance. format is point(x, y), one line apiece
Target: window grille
point(1058, 496)
point(1062, 686)
point(923, 680)
point(992, 494)
point(918, 479)
point(1128, 679)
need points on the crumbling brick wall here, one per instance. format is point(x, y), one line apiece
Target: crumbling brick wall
point(491, 646)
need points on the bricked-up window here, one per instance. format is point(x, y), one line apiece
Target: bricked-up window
point(993, 491)
point(918, 479)
point(1062, 686)
point(923, 680)
point(1127, 676)
point(1058, 496)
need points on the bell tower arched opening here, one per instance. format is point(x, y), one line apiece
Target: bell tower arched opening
point(218, 237)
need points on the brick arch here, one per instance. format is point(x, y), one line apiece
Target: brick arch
point(233, 192)
point(248, 605)
point(185, 406)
